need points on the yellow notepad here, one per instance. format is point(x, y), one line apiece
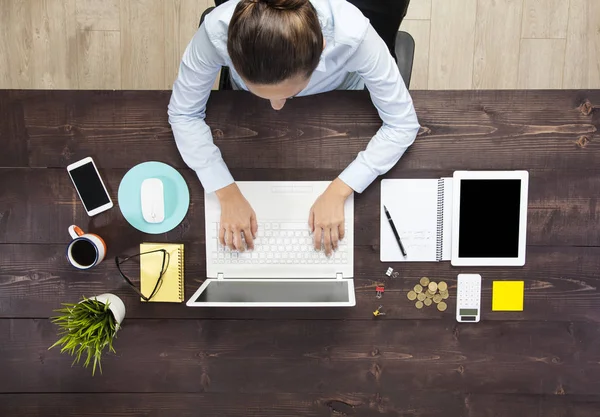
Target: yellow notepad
point(507, 295)
point(172, 287)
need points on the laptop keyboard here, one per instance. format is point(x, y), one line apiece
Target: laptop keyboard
point(280, 243)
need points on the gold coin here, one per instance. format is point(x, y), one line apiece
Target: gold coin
point(427, 301)
point(432, 287)
point(437, 298)
point(424, 281)
point(445, 295)
point(442, 306)
point(411, 295)
point(419, 304)
point(421, 297)
point(442, 286)
point(428, 294)
point(418, 289)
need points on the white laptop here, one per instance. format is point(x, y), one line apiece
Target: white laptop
point(283, 270)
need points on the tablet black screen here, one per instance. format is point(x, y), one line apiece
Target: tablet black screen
point(489, 218)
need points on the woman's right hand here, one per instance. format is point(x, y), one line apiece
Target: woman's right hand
point(237, 217)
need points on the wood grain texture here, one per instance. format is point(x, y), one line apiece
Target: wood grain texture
point(98, 15)
point(419, 10)
point(582, 55)
point(142, 44)
point(497, 44)
point(99, 63)
point(239, 404)
point(35, 279)
point(308, 356)
point(419, 30)
point(181, 19)
point(452, 44)
point(53, 23)
point(297, 405)
point(507, 129)
point(13, 134)
point(541, 63)
point(545, 18)
point(16, 44)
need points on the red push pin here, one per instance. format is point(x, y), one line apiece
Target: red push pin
point(379, 290)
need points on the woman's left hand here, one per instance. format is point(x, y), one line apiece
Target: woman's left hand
point(326, 218)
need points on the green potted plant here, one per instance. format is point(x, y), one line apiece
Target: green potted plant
point(88, 327)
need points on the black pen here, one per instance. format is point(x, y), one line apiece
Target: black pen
point(387, 213)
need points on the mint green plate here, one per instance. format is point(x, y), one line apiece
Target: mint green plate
point(176, 192)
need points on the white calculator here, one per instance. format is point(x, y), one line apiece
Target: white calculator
point(468, 298)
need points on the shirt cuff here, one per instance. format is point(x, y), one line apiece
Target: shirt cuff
point(358, 176)
point(215, 176)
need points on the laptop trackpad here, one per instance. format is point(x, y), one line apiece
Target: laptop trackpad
point(280, 293)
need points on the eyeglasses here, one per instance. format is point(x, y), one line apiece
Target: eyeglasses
point(165, 265)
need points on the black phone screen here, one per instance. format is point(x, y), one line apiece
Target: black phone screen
point(90, 187)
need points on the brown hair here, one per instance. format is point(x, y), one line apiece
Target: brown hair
point(270, 41)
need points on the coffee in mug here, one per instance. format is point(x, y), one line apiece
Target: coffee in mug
point(86, 249)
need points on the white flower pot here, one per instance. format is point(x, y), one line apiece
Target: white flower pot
point(116, 306)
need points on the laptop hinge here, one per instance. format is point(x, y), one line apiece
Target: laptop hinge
point(220, 275)
point(339, 275)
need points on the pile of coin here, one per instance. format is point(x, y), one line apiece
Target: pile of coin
point(428, 292)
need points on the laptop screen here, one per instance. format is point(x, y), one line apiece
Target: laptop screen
point(489, 218)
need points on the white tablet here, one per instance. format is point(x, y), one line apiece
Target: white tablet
point(489, 218)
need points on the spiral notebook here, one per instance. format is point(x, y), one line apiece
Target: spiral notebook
point(172, 288)
point(422, 212)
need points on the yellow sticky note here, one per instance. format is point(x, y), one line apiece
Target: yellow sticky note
point(507, 295)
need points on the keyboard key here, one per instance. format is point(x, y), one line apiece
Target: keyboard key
point(267, 226)
point(290, 233)
point(298, 233)
point(275, 226)
point(295, 241)
point(234, 255)
point(286, 241)
point(268, 233)
point(294, 226)
point(270, 255)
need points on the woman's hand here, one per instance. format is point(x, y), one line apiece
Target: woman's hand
point(326, 218)
point(237, 217)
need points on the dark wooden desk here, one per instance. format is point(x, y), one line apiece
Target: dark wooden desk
point(177, 361)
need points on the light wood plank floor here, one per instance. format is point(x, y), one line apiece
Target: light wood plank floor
point(460, 44)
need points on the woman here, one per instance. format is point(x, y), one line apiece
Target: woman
point(278, 49)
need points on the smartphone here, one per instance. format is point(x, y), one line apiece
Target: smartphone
point(89, 186)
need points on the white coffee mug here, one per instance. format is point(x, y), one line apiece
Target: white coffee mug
point(86, 249)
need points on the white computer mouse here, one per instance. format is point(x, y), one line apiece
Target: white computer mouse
point(153, 201)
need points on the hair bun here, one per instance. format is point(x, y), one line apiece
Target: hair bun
point(285, 4)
